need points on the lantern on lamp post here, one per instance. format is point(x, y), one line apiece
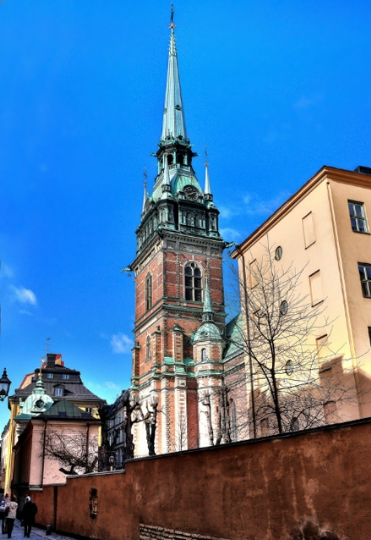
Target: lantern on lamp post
point(4, 385)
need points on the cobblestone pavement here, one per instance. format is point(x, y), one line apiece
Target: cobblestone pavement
point(36, 533)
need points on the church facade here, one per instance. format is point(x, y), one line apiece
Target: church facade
point(180, 333)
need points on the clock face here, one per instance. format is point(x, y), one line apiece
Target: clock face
point(191, 193)
point(39, 404)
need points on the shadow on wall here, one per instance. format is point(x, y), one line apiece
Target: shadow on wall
point(308, 530)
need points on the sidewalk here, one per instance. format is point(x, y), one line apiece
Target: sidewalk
point(36, 533)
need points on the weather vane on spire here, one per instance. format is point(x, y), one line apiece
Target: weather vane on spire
point(206, 160)
point(172, 24)
point(145, 177)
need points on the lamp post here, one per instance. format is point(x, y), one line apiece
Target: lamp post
point(111, 461)
point(4, 385)
point(151, 423)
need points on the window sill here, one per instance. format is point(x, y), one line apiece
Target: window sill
point(317, 303)
point(367, 233)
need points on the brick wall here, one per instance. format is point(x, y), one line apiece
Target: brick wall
point(300, 486)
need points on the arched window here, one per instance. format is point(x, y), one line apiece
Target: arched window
point(148, 348)
point(148, 292)
point(192, 283)
point(203, 355)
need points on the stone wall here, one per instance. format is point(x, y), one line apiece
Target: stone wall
point(309, 485)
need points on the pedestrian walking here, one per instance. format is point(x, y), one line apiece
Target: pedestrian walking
point(3, 503)
point(11, 514)
point(28, 515)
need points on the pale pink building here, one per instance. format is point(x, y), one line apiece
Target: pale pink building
point(33, 468)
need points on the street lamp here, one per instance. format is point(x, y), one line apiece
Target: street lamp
point(111, 461)
point(4, 385)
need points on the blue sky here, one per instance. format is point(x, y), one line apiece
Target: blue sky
point(275, 89)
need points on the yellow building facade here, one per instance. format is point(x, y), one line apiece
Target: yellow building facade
point(323, 232)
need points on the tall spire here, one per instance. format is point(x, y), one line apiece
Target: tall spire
point(173, 124)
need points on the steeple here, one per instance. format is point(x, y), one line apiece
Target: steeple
point(173, 125)
point(176, 201)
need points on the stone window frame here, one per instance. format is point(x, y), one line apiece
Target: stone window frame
point(148, 292)
point(364, 270)
point(193, 282)
point(358, 218)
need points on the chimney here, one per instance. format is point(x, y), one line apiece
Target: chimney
point(363, 170)
point(50, 360)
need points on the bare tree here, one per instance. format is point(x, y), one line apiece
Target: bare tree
point(72, 449)
point(289, 387)
point(179, 440)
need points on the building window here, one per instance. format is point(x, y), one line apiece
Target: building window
point(315, 284)
point(284, 307)
point(192, 281)
point(365, 277)
point(148, 348)
point(49, 375)
point(65, 376)
point(278, 253)
point(203, 355)
point(308, 230)
point(322, 344)
point(88, 410)
point(358, 217)
point(58, 391)
point(289, 368)
point(148, 292)
point(369, 334)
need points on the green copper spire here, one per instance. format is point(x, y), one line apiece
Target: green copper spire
point(173, 125)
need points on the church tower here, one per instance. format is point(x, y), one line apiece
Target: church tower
point(178, 269)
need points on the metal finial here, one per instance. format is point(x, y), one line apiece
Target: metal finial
point(172, 24)
point(206, 156)
point(145, 176)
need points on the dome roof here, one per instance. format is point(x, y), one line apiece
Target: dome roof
point(207, 331)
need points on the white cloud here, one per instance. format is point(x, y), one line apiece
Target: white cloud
point(255, 206)
point(6, 271)
point(121, 343)
point(112, 385)
point(230, 234)
point(24, 296)
point(226, 212)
